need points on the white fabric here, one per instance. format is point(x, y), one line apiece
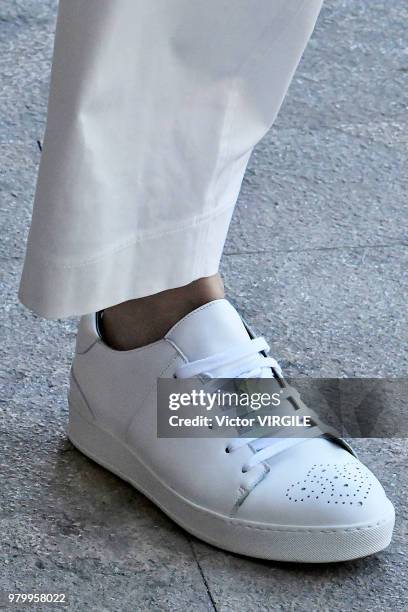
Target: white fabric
point(154, 110)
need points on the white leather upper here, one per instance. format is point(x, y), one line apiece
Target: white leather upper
point(317, 482)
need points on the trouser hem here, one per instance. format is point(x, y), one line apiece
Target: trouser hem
point(57, 289)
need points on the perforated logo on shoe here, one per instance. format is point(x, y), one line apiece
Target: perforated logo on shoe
point(330, 483)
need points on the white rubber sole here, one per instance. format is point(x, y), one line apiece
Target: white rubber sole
point(272, 542)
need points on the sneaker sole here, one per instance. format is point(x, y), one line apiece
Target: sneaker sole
point(265, 541)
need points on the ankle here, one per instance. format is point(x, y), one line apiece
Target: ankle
point(139, 322)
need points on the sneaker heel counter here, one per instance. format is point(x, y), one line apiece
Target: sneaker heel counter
point(87, 334)
point(76, 399)
point(87, 337)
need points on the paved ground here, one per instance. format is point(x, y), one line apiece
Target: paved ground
point(316, 258)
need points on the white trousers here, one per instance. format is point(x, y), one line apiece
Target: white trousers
point(155, 107)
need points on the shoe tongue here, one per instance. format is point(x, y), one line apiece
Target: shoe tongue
point(212, 328)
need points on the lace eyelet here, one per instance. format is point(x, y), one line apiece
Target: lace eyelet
point(227, 450)
point(243, 470)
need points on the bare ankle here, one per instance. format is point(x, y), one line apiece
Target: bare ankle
point(139, 322)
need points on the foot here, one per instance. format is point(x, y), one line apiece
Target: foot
point(256, 499)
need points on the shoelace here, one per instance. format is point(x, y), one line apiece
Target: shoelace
point(248, 359)
point(244, 360)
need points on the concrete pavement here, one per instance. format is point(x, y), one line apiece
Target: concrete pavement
point(316, 259)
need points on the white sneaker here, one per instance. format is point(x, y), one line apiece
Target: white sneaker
point(312, 501)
